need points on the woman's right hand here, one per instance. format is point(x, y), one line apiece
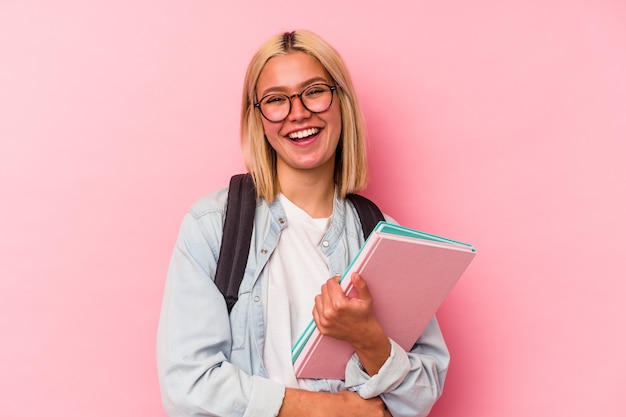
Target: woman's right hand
point(302, 403)
point(357, 406)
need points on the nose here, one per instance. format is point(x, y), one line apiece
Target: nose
point(298, 111)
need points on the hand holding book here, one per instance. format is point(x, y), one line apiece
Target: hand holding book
point(352, 320)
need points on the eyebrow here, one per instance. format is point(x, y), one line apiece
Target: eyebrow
point(302, 85)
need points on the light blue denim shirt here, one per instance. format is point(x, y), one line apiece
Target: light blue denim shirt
point(211, 364)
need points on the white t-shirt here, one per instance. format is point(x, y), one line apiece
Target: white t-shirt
point(296, 271)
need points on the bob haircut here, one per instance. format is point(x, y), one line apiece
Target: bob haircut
point(258, 155)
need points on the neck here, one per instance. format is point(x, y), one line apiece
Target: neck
point(312, 192)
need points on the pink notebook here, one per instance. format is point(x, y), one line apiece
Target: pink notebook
point(409, 274)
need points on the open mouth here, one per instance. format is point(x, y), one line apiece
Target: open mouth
point(304, 134)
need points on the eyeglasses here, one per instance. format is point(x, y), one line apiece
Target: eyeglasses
point(316, 98)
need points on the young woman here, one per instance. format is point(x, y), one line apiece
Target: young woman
point(303, 142)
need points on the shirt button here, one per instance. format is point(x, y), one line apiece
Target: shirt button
point(256, 299)
point(325, 243)
point(281, 221)
point(263, 251)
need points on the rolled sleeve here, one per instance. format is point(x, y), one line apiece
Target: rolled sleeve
point(408, 382)
point(267, 398)
point(390, 375)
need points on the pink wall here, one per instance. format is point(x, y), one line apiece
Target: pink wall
point(499, 123)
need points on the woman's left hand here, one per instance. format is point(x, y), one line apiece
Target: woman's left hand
point(352, 320)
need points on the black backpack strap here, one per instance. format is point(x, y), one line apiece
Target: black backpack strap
point(369, 213)
point(236, 237)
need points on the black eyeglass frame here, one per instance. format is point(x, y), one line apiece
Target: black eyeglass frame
point(298, 95)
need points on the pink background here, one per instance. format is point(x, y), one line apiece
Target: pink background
point(500, 123)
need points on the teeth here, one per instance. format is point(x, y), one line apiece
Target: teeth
point(303, 133)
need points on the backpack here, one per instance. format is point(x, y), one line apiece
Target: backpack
point(237, 233)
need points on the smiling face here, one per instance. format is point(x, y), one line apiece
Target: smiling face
point(304, 141)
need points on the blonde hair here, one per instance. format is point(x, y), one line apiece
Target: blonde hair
point(258, 155)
